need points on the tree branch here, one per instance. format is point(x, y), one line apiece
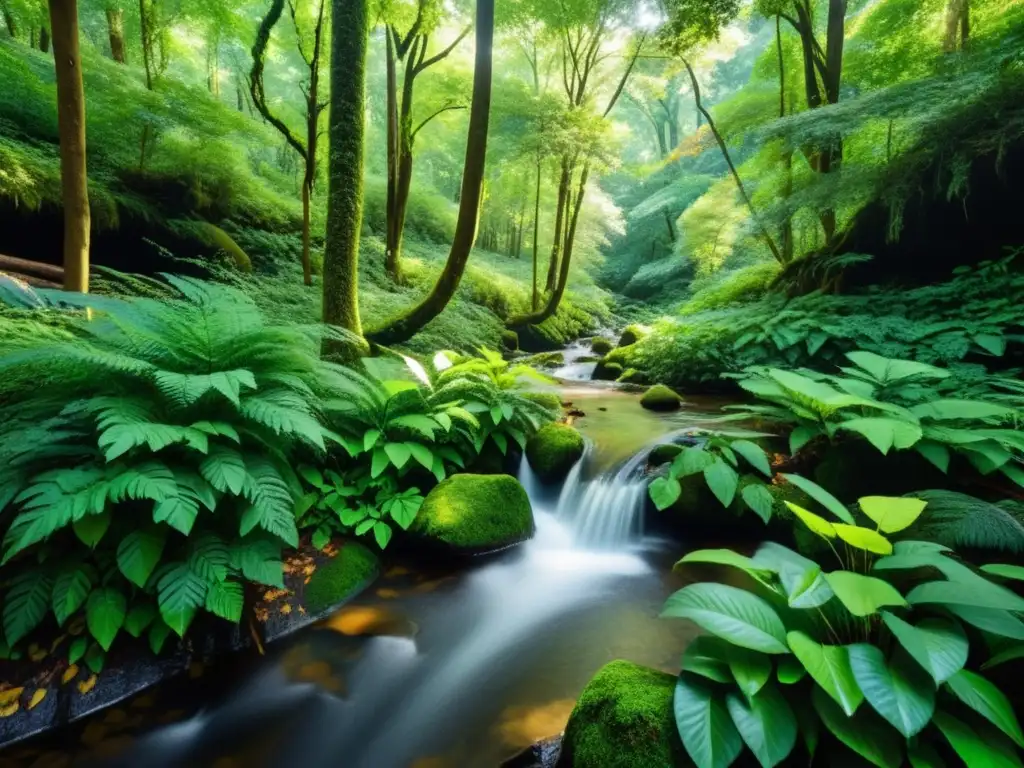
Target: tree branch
point(442, 110)
point(625, 75)
point(443, 54)
point(402, 43)
point(256, 88)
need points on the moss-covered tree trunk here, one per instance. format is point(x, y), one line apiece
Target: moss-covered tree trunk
point(346, 127)
point(958, 26)
point(536, 233)
point(564, 180)
point(406, 326)
point(115, 29)
point(71, 126)
point(146, 39)
point(9, 20)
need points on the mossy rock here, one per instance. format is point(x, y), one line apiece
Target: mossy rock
point(631, 335)
point(661, 398)
point(473, 514)
point(698, 516)
point(340, 578)
point(553, 451)
point(544, 360)
point(633, 376)
point(600, 346)
point(510, 340)
point(606, 371)
point(624, 719)
point(549, 400)
point(663, 454)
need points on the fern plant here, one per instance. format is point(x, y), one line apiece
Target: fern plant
point(145, 464)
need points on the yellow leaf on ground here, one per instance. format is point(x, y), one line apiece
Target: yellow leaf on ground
point(69, 674)
point(7, 710)
point(37, 697)
point(84, 686)
point(387, 594)
point(59, 639)
point(36, 653)
point(10, 694)
point(286, 609)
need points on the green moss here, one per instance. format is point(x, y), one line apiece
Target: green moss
point(606, 371)
point(510, 340)
point(600, 346)
point(213, 240)
point(544, 360)
point(660, 398)
point(632, 376)
point(340, 577)
point(553, 451)
point(624, 719)
point(663, 454)
point(631, 335)
point(550, 400)
point(476, 513)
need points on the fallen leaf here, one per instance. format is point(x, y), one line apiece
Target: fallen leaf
point(84, 686)
point(36, 653)
point(387, 594)
point(10, 694)
point(286, 609)
point(69, 674)
point(302, 610)
point(37, 697)
point(7, 710)
point(60, 639)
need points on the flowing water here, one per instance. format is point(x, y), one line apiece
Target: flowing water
point(461, 670)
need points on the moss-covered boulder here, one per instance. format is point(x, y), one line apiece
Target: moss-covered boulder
point(663, 454)
point(510, 340)
point(473, 514)
point(661, 398)
point(600, 346)
point(340, 578)
point(631, 335)
point(633, 376)
point(549, 400)
point(544, 360)
point(624, 719)
point(553, 451)
point(606, 371)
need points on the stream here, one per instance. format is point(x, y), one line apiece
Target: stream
point(442, 670)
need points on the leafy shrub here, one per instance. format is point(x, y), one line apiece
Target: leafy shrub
point(430, 215)
point(146, 460)
point(878, 652)
point(738, 286)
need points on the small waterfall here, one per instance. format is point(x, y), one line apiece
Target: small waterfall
point(604, 512)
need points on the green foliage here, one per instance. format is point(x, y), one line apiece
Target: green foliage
point(147, 457)
point(338, 578)
point(554, 450)
point(885, 653)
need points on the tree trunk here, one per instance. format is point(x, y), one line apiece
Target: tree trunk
point(347, 125)
point(406, 326)
point(71, 125)
point(560, 208)
point(536, 231)
point(239, 94)
point(391, 264)
point(12, 25)
point(44, 39)
point(957, 26)
point(787, 153)
point(115, 26)
point(146, 35)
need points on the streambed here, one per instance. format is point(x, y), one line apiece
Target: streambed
point(436, 670)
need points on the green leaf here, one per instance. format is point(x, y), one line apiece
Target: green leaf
point(901, 692)
point(801, 579)
point(224, 599)
point(313, 476)
point(727, 557)
point(691, 461)
point(790, 670)
point(179, 512)
point(976, 594)
point(91, 528)
point(863, 595)
point(823, 497)
point(937, 453)
point(1015, 572)
point(139, 552)
point(923, 755)
point(76, 650)
point(750, 669)
point(938, 645)
point(104, 614)
point(224, 469)
point(259, 560)
point(382, 533)
point(422, 454)
point(864, 733)
point(818, 525)
point(998, 622)
point(885, 433)
point(94, 658)
point(180, 592)
point(947, 410)
point(399, 453)
point(754, 454)
point(664, 491)
point(987, 700)
point(829, 665)
point(379, 462)
point(759, 499)
point(730, 613)
point(800, 437)
point(863, 538)
point(139, 617)
point(704, 724)
point(25, 604)
point(892, 514)
point(705, 656)
point(994, 345)
point(886, 371)
point(70, 590)
point(723, 481)
point(977, 747)
point(766, 724)
point(158, 633)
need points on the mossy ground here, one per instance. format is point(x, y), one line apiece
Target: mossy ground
point(473, 513)
point(553, 451)
point(340, 576)
point(624, 719)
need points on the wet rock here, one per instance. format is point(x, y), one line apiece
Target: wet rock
point(553, 451)
point(606, 371)
point(661, 398)
point(601, 346)
point(631, 335)
point(543, 754)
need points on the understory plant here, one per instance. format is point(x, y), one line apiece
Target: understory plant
point(146, 460)
point(879, 648)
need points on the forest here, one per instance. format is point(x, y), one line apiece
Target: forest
point(523, 383)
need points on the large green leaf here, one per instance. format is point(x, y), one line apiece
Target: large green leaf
point(25, 603)
point(977, 747)
point(704, 725)
point(180, 592)
point(994, 620)
point(900, 691)
point(885, 433)
point(829, 665)
point(754, 454)
point(224, 469)
point(1015, 572)
point(664, 491)
point(979, 594)
point(759, 499)
point(224, 599)
point(987, 700)
point(864, 732)
point(892, 514)
point(139, 552)
point(863, 595)
point(863, 538)
point(70, 590)
point(706, 656)
point(730, 613)
point(104, 613)
point(766, 724)
point(938, 645)
point(802, 580)
point(727, 557)
point(823, 497)
point(690, 461)
point(749, 669)
point(91, 529)
point(887, 371)
point(723, 481)
point(946, 410)
point(399, 453)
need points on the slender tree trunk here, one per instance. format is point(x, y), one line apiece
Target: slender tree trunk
point(406, 326)
point(560, 208)
point(347, 125)
point(536, 233)
point(239, 94)
point(787, 152)
point(146, 35)
point(391, 264)
point(115, 28)
point(11, 24)
point(32, 37)
point(957, 26)
point(71, 125)
point(44, 39)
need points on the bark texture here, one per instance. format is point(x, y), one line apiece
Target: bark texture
point(115, 29)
